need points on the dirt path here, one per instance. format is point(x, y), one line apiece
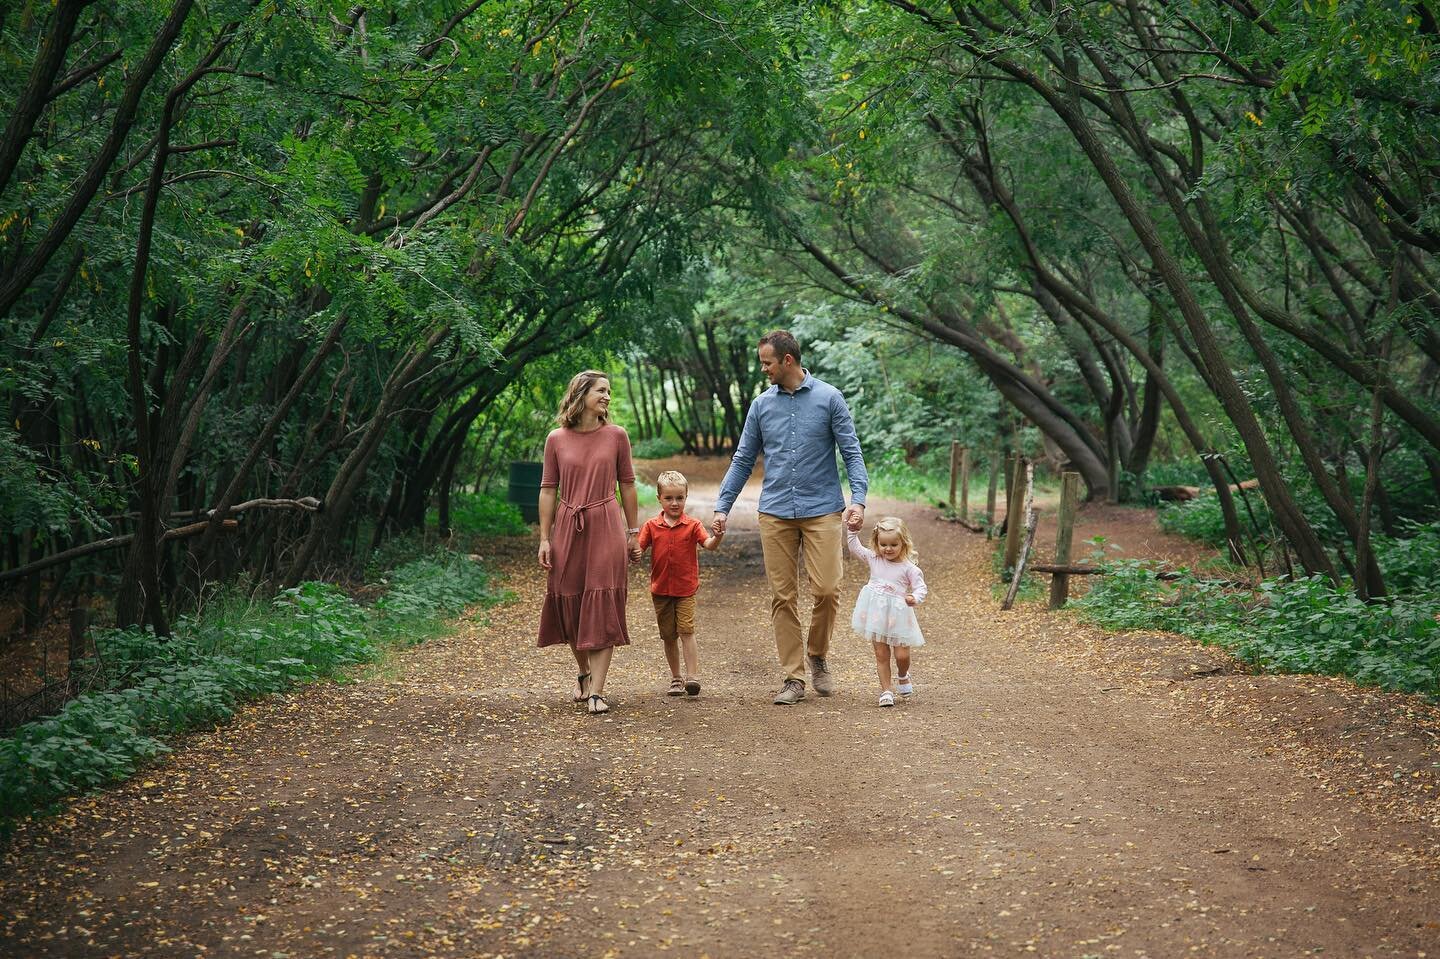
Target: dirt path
point(1049, 791)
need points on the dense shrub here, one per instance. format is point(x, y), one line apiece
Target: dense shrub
point(1299, 626)
point(485, 514)
point(655, 448)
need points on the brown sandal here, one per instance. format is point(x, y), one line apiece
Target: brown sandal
point(677, 687)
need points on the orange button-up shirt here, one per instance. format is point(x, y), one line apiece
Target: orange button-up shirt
point(674, 568)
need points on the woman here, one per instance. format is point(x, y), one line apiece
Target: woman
point(583, 540)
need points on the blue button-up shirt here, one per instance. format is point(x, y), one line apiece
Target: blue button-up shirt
point(798, 433)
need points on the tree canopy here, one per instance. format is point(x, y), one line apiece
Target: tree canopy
point(311, 266)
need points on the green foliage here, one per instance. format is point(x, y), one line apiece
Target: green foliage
point(1300, 626)
point(440, 584)
point(656, 448)
point(485, 514)
point(1411, 564)
point(1201, 519)
point(235, 650)
point(891, 477)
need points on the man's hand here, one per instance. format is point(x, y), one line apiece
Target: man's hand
point(717, 526)
point(855, 517)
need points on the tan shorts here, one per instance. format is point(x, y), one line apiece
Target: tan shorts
point(675, 614)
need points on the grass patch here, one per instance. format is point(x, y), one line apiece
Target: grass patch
point(233, 651)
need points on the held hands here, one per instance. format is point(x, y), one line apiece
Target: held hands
point(855, 518)
point(718, 525)
point(632, 547)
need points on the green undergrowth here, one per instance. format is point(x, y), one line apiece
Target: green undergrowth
point(482, 514)
point(1283, 626)
point(236, 649)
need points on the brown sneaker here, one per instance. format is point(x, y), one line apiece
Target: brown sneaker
point(820, 677)
point(791, 693)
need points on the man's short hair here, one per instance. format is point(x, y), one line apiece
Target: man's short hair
point(782, 342)
point(672, 478)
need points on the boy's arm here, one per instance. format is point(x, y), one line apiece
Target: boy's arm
point(713, 541)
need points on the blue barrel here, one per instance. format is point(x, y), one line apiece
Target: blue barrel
point(524, 489)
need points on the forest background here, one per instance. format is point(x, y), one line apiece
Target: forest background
point(286, 285)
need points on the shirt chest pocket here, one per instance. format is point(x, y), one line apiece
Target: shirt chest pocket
point(813, 423)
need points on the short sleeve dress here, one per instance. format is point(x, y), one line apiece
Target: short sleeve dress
point(585, 595)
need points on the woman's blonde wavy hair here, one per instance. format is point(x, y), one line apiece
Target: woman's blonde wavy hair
point(574, 403)
point(894, 524)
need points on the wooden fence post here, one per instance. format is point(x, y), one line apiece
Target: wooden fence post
point(1064, 535)
point(1017, 573)
point(964, 484)
point(1014, 521)
point(990, 494)
point(954, 469)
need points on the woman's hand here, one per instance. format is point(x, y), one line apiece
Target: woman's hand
point(909, 599)
point(544, 554)
point(632, 547)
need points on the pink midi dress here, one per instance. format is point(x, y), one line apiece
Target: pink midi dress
point(585, 594)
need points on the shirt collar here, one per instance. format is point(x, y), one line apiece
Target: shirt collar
point(805, 384)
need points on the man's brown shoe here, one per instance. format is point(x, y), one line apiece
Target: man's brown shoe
point(820, 677)
point(791, 693)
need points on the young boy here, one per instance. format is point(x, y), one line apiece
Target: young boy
point(675, 577)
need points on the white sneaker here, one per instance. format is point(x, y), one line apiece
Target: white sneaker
point(887, 698)
point(904, 686)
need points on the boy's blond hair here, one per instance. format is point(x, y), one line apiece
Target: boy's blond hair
point(672, 478)
point(894, 524)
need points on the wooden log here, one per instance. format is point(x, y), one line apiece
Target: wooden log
point(99, 546)
point(1164, 574)
point(1030, 524)
point(1064, 534)
point(1014, 518)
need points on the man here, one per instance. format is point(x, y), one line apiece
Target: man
point(798, 423)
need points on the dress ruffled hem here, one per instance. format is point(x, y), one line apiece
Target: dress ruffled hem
point(882, 617)
point(594, 619)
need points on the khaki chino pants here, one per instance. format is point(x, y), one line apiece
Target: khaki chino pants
point(818, 541)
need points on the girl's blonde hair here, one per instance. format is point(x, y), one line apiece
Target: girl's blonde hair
point(894, 524)
point(574, 403)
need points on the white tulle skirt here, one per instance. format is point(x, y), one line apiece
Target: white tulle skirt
point(882, 617)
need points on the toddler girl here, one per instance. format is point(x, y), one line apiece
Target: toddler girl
point(884, 611)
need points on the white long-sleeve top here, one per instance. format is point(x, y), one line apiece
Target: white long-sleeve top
point(888, 576)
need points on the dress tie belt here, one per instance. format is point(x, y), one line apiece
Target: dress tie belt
point(580, 511)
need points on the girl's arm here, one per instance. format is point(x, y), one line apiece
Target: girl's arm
point(918, 589)
point(857, 548)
